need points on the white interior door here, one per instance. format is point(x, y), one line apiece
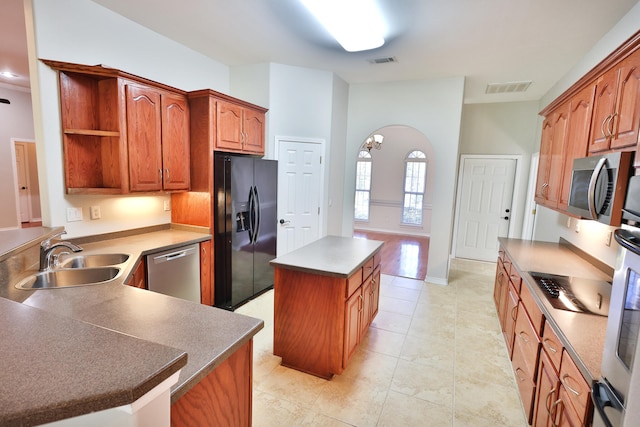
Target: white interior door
point(22, 170)
point(485, 206)
point(299, 194)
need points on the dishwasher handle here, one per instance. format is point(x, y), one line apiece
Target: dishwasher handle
point(172, 256)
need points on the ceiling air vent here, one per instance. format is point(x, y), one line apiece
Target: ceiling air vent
point(509, 87)
point(384, 60)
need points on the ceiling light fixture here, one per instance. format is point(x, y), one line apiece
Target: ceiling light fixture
point(374, 141)
point(355, 24)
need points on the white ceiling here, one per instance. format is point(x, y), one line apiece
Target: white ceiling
point(487, 41)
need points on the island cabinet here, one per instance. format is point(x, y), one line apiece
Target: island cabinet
point(121, 133)
point(325, 297)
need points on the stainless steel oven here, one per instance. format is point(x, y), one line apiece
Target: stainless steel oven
point(611, 395)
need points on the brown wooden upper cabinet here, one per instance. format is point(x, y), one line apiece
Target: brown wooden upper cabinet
point(549, 181)
point(239, 129)
point(600, 113)
point(616, 111)
point(158, 139)
point(121, 133)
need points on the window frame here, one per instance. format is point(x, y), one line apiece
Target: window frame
point(363, 157)
point(414, 156)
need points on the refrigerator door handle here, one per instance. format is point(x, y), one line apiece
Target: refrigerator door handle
point(257, 210)
point(602, 397)
point(252, 220)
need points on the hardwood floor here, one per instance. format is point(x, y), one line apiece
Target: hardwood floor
point(402, 255)
point(31, 224)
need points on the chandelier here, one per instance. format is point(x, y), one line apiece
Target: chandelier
point(374, 141)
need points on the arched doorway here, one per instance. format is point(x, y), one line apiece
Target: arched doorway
point(392, 201)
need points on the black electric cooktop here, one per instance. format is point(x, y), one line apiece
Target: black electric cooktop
point(575, 293)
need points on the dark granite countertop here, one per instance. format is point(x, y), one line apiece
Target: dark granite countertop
point(206, 334)
point(582, 334)
point(330, 256)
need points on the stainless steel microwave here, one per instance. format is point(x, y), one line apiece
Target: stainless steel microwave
point(599, 185)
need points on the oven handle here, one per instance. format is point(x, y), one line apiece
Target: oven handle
point(592, 187)
point(602, 397)
point(627, 239)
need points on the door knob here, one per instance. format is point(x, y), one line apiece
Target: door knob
point(506, 210)
point(283, 222)
point(506, 217)
point(23, 188)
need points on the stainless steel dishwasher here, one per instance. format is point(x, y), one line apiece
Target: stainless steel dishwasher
point(175, 272)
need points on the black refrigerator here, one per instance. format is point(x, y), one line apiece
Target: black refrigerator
point(245, 227)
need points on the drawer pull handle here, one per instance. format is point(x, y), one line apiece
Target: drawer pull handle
point(547, 344)
point(523, 337)
point(514, 312)
point(567, 386)
point(521, 379)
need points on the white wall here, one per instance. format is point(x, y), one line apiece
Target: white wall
point(16, 121)
point(336, 156)
point(551, 225)
point(387, 182)
point(432, 107)
point(83, 32)
point(503, 129)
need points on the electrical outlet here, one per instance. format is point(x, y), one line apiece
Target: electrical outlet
point(607, 238)
point(95, 212)
point(167, 205)
point(74, 214)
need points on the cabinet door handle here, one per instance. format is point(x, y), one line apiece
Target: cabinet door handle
point(523, 337)
point(521, 379)
point(548, 400)
point(553, 412)
point(567, 386)
point(166, 173)
point(514, 313)
point(547, 343)
point(602, 126)
point(610, 127)
point(160, 172)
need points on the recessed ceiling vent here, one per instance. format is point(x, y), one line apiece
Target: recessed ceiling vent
point(384, 60)
point(509, 87)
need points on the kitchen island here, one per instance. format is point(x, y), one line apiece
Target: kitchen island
point(206, 345)
point(325, 297)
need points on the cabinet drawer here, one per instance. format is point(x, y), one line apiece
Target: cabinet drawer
point(575, 385)
point(530, 304)
point(377, 259)
point(527, 341)
point(552, 345)
point(514, 278)
point(353, 282)
point(367, 268)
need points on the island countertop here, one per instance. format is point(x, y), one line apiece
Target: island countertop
point(330, 256)
point(148, 320)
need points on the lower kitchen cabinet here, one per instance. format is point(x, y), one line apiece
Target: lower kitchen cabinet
point(320, 319)
point(553, 391)
point(222, 398)
point(138, 278)
point(206, 273)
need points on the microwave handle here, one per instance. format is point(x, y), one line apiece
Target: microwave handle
point(592, 187)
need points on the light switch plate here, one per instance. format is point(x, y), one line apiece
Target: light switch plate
point(74, 214)
point(167, 205)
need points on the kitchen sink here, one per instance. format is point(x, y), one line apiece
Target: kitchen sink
point(68, 278)
point(93, 260)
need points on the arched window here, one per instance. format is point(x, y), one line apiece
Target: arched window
point(363, 186)
point(415, 176)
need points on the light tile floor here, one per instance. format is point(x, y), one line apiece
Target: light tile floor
point(434, 356)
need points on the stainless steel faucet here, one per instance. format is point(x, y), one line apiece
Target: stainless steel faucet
point(47, 248)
